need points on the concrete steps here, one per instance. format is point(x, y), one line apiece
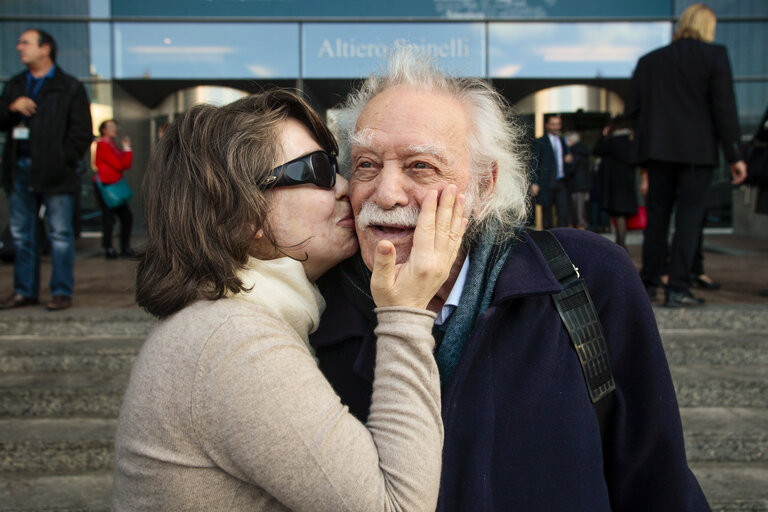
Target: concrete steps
point(62, 380)
point(719, 365)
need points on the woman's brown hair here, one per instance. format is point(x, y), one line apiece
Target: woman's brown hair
point(202, 198)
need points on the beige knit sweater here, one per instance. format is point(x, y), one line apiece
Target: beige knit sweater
point(227, 410)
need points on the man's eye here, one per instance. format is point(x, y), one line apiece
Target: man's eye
point(421, 166)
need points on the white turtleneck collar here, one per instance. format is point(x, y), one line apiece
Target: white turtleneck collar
point(281, 285)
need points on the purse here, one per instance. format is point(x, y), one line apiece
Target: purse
point(638, 220)
point(115, 194)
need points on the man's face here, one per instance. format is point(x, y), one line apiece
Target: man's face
point(554, 125)
point(407, 142)
point(29, 48)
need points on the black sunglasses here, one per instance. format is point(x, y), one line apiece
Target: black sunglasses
point(318, 168)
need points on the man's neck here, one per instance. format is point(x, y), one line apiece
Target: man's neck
point(39, 70)
point(438, 301)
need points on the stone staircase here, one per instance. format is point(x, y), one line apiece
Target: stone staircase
point(718, 356)
point(62, 377)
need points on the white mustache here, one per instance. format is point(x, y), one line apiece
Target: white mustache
point(372, 215)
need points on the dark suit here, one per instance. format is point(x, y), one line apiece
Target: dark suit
point(551, 189)
point(682, 102)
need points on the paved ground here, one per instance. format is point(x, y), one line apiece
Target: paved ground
point(740, 264)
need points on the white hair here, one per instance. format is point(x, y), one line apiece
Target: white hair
point(495, 139)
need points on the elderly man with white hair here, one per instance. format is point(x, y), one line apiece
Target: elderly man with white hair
point(521, 432)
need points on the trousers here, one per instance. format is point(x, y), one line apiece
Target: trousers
point(25, 207)
point(678, 187)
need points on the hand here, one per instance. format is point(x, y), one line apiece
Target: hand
point(436, 242)
point(739, 172)
point(23, 105)
point(568, 158)
point(534, 189)
point(126, 141)
point(644, 182)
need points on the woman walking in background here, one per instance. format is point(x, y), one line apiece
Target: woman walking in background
point(111, 162)
point(618, 191)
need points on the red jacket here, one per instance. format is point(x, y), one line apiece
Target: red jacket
point(111, 161)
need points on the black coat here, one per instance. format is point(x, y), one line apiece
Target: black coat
point(520, 430)
point(577, 174)
point(544, 167)
point(60, 132)
point(682, 102)
point(618, 177)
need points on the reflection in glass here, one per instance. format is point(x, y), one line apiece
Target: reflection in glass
point(751, 101)
point(101, 51)
point(346, 50)
point(206, 50)
point(746, 42)
point(572, 50)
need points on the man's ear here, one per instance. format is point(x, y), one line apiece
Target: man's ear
point(491, 181)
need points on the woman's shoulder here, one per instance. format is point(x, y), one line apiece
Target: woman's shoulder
point(206, 317)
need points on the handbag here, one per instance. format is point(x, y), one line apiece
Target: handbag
point(639, 220)
point(114, 194)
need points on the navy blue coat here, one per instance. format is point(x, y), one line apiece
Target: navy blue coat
point(520, 430)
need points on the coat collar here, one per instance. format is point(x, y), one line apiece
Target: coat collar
point(525, 273)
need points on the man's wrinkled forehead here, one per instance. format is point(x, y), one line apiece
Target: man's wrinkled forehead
point(364, 140)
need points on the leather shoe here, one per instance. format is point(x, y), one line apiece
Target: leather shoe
point(128, 253)
point(682, 300)
point(110, 253)
point(59, 302)
point(16, 300)
point(711, 285)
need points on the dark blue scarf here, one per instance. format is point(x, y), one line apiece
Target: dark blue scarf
point(485, 263)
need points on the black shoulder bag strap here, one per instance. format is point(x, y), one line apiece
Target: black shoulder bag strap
point(580, 318)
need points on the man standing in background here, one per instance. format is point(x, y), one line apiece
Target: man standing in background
point(46, 116)
point(550, 154)
point(682, 102)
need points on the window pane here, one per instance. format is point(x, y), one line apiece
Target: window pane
point(571, 50)
point(747, 43)
point(206, 50)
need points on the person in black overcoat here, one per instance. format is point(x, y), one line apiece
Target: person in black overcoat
point(578, 176)
point(682, 102)
point(618, 177)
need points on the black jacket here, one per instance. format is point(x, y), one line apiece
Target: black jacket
point(60, 132)
point(577, 174)
point(682, 102)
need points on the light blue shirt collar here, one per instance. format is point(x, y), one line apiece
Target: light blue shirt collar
point(452, 302)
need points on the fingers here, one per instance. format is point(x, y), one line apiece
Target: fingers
point(383, 277)
point(424, 234)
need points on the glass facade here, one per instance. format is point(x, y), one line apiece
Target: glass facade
point(133, 55)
